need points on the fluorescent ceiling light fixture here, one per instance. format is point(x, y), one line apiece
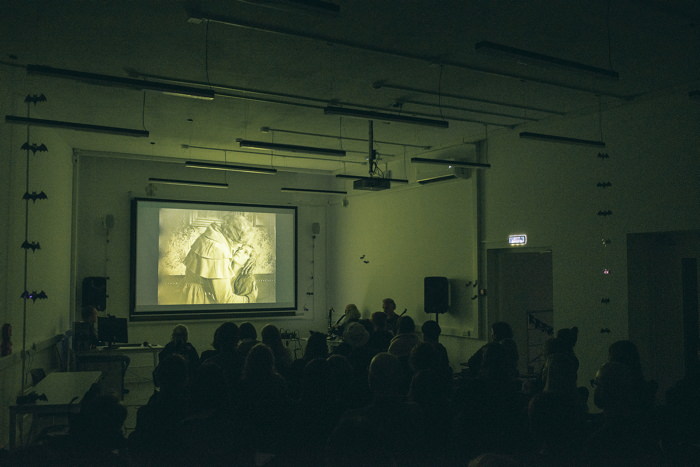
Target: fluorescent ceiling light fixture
point(561, 139)
point(245, 143)
point(360, 177)
point(310, 6)
point(398, 87)
point(313, 191)
point(694, 95)
point(534, 57)
point(473, 165)
point(115, 81)
point(231, 167)
point(170, 181)
point(267, 129)
point(389, 117)
point(440, 178)
point(76, 126)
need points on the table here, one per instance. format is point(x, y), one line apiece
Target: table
point(112, 362)
point(125, 350)
point(64, 392)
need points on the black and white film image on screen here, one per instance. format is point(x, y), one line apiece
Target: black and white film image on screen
point(216, 257)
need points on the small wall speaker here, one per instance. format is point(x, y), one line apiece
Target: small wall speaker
point(436, 298)
point(315, 228)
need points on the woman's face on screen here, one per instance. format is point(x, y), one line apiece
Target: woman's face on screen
point(242, 254)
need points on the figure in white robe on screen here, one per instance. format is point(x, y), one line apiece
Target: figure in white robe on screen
point(220, 264)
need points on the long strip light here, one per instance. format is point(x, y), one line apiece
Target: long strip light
point(535, 57)
point(360, 177)
point(76, 126)
point(267, 129)
point(245, 143)
point(171, 181)
point(473, 165)
point(561, 139)
point(115, 81)
point(441, 178)
point(313, 191)
point(310, 6)
point(231, 167)
point(370, 115)
point(399, 87)
point(198, 17)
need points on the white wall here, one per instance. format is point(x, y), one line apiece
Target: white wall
point(549, 191)
point(382, 244)
point(49, 223)
point(106, 186)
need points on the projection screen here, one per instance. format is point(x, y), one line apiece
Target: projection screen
point(193, 260)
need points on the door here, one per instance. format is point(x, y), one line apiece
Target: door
point(520, 293)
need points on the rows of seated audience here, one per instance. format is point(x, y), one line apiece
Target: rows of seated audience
point(384, 395)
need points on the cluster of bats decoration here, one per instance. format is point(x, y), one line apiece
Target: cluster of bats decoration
point(33, 196)
point(31, 245)
point(34, 295)
point(34, 147)
point(35, 98)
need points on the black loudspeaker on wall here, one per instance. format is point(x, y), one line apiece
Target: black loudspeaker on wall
point(436, 294)
point(95, 292)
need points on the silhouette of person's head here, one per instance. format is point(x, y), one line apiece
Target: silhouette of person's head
point(431, 331)
point(180, 334)
point(385, 374)
point(423, 356)
point(316, 346)
point(379, 319)
point(625, 352)
point(259, 363)
point(247, 331)
point(355, 334)
point(226, 337)
point(501, 330)
point(615, 388)
point(352, 313)
point(568, 335)
point(389, 306)
point(89, 314)
point(405, 325)
point(271, 336)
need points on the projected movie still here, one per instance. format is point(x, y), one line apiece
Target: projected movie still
point(201, 258)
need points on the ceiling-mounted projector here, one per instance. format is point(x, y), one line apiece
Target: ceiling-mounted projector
point(371, 184)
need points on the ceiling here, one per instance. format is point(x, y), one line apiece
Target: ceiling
point(277, 64)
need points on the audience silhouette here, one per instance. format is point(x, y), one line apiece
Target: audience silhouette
point(369, 405)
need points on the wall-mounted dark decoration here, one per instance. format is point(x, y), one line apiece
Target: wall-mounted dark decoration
point(31, 245)
point(603, 184)
point(35, 147)
point(603, 155)
point(605, 301)
point(34, 196)
point(605, 331)
point(30, 149)
point(607, 212)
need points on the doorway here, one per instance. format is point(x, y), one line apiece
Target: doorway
point(520, 293)
point(663, 303)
